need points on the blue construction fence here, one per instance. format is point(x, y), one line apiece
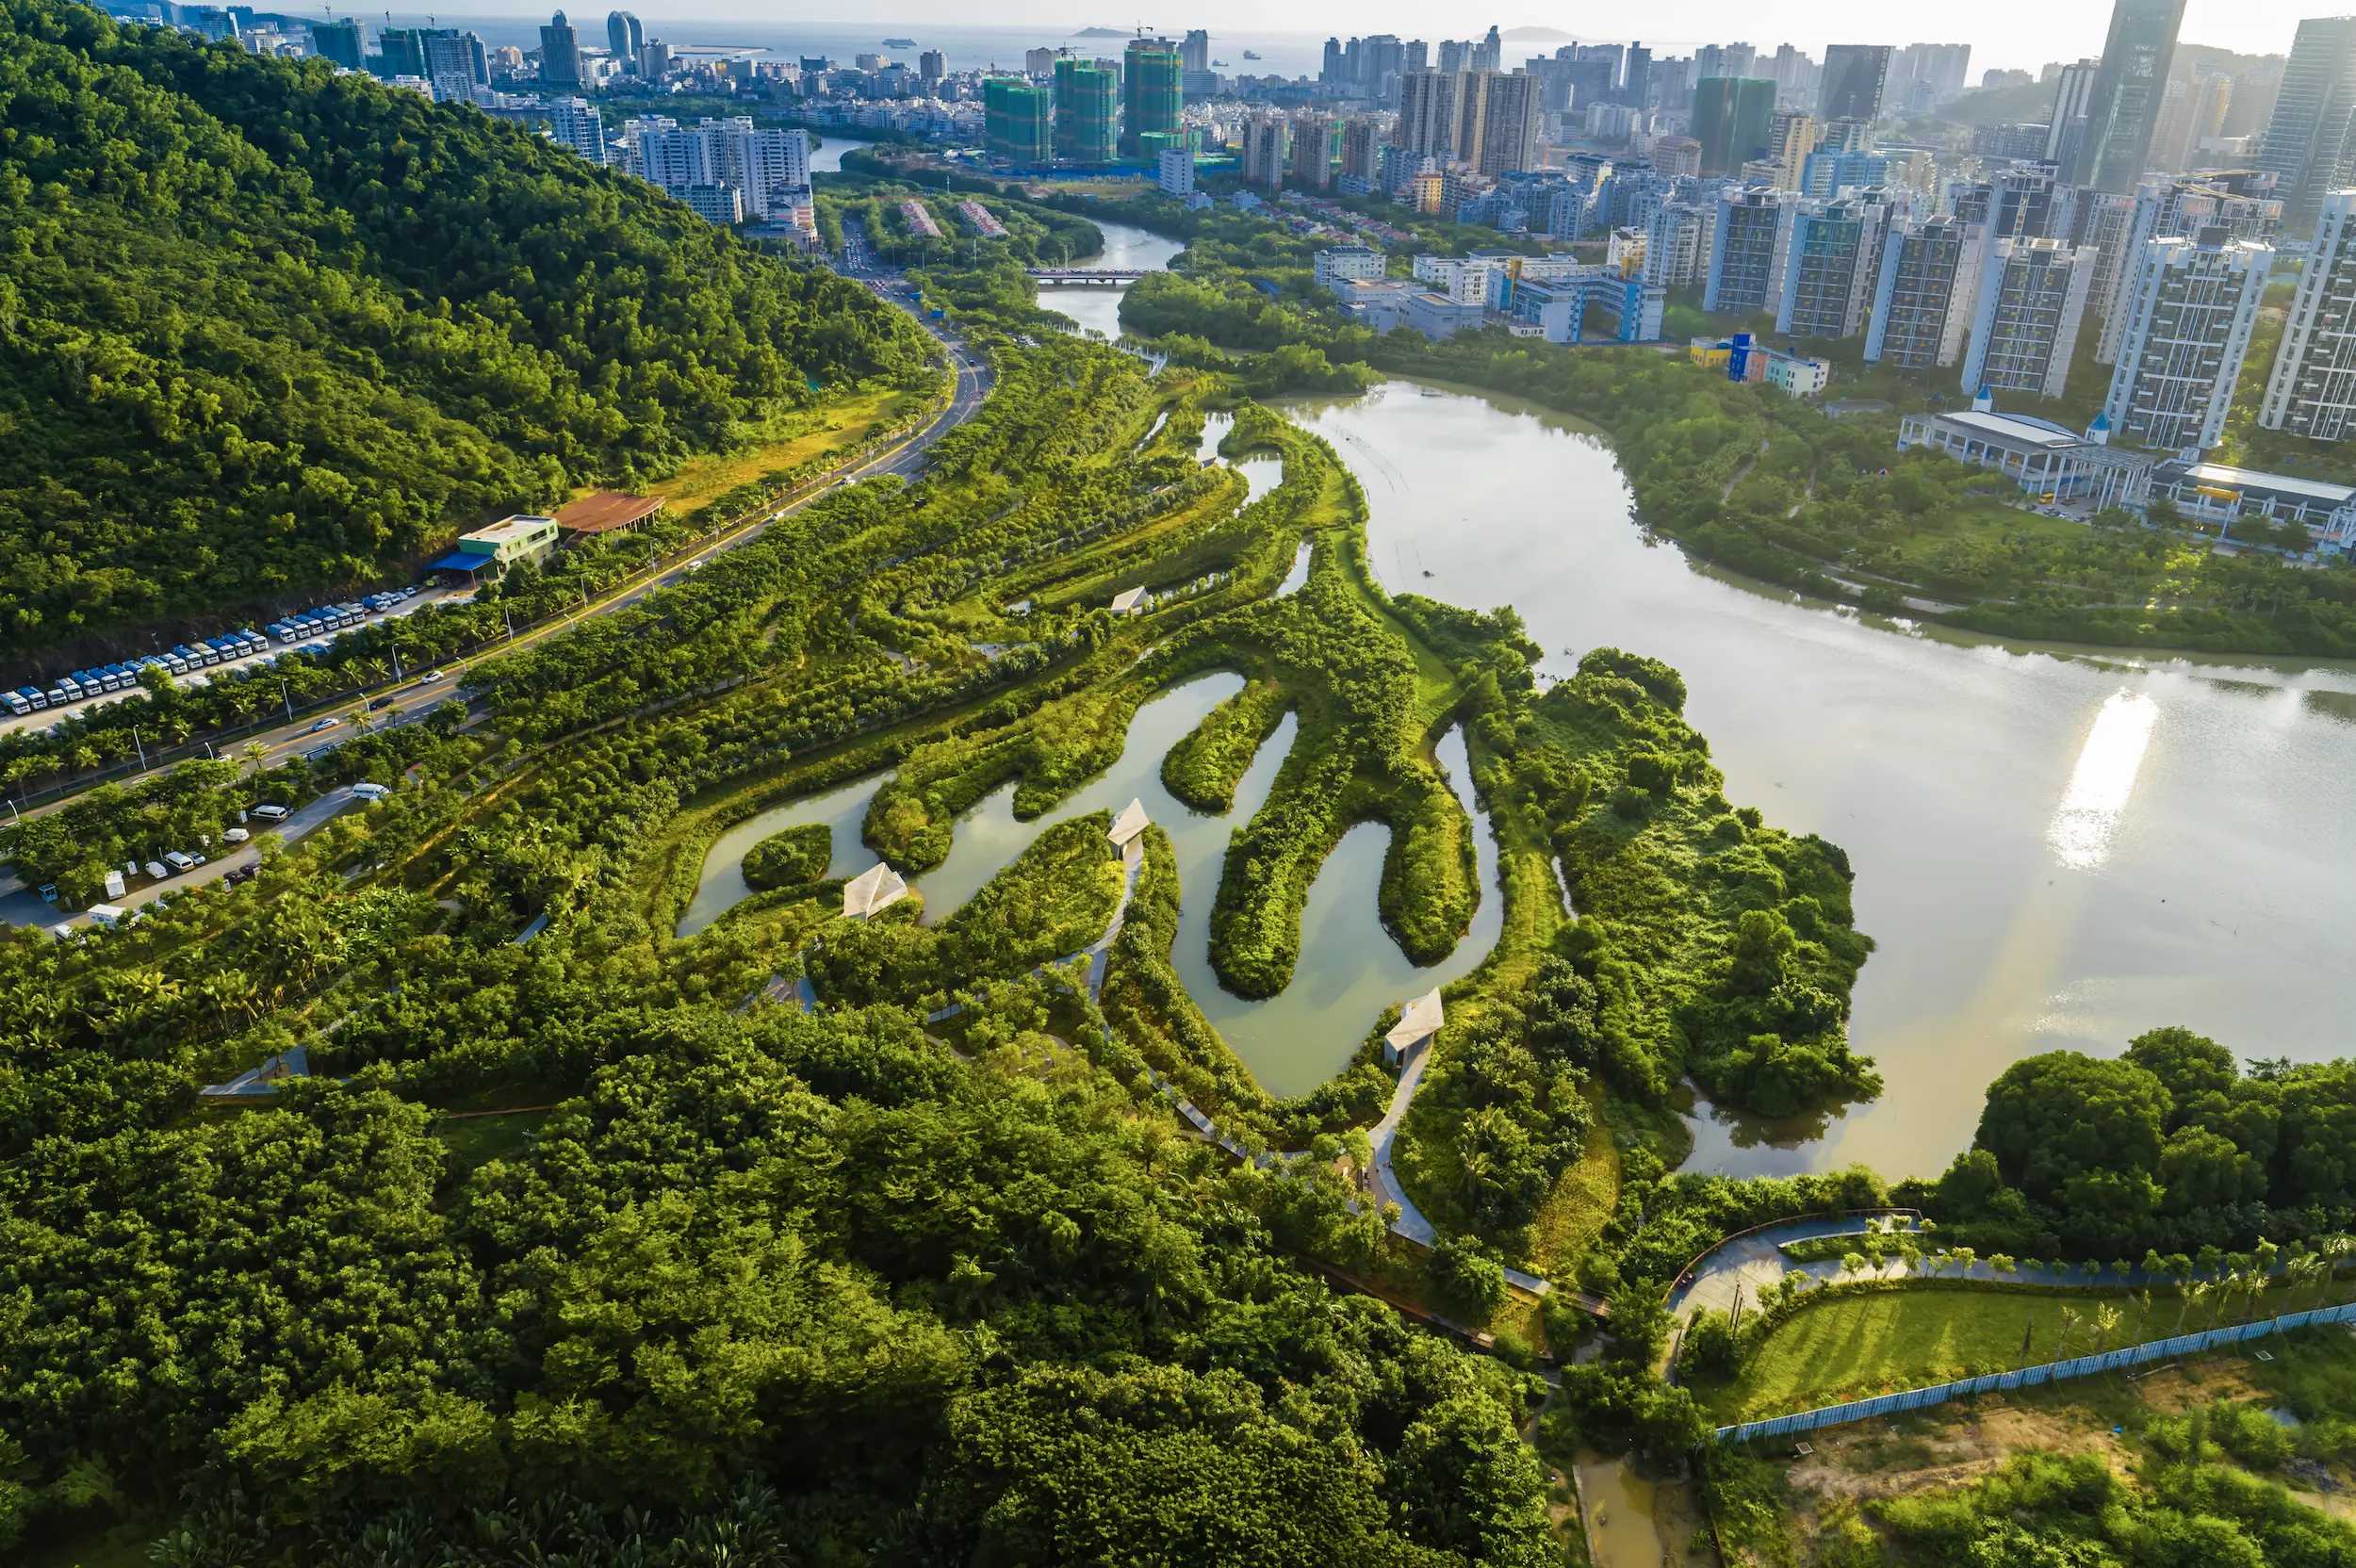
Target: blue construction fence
point(2030, 1377)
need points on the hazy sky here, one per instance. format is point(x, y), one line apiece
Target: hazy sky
point(2001, 32)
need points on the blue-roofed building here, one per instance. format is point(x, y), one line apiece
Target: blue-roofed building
point(484, 555)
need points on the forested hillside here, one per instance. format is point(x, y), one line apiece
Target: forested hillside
point(263, 328)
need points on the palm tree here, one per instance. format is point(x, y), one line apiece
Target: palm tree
point(2106, 1320)
point(2188, 1298)
point(2220, 1292)
point(2069, 1321)
point(2144, 1299)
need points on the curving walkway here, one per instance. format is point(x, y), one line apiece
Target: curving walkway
point(1384, 1182)
point(1753, 1258)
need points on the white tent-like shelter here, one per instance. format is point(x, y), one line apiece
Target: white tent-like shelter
point(1415, 1026)
point(872, 890)
point(1132, 822)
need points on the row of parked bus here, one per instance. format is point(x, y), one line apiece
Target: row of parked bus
point(117, 678)
point(308, 631)
point(329, 619)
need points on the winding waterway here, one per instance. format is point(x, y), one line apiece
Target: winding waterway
point(1097, 308)
point(1349, 968)
point(2054, 847)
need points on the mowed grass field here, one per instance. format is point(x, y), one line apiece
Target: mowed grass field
point(1856, 1347)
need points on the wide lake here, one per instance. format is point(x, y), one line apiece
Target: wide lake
point(2054, 847)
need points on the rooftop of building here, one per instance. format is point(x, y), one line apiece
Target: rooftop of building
point(602, 511)
point(2222, 477)
point(2025, 429)
point(508, 530)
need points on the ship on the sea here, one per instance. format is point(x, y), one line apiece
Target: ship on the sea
point(899, 44)
point(1249, 55)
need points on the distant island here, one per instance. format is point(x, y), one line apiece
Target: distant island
point(1551, 33)
point(1101, 32)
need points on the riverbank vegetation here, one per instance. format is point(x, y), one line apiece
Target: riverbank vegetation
point(1706, 946)
point(360, 328)
point(2172, 1148)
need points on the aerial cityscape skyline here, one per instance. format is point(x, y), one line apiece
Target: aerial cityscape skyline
point(1998, 36)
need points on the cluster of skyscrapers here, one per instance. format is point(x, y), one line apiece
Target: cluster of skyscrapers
point(2076, 247)
point(1077, 111)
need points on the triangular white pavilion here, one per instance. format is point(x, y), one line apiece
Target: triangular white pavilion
point(872, 890)
point(1127, 600)
point(1132, 822)
point(1418, 1025)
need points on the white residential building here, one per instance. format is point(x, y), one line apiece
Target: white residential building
point(1354, 262)
point(769, 169)
point(1177, 172)
point(576, 122)
point(2312, 390)
point(2193, 303)
point(2024, 327)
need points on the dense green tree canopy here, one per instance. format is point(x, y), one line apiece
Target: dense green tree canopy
point(265, 329)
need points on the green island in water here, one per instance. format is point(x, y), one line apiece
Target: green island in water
point(751, 1088)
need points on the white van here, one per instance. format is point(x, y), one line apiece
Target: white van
point(271, 814)
point(365, 791)
point(237, 835)
point(180, 860)
point(107, 915)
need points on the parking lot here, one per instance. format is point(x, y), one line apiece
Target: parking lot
point(254, 658)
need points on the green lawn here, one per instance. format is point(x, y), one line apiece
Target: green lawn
point(1853, 1348)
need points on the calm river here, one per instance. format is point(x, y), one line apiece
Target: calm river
point(1098, 309)
point(2053, 847)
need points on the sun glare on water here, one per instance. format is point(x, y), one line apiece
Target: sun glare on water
point(2103, 778)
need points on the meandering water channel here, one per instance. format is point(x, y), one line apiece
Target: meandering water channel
point(1350, 969)
point(2054, 847)
point(1098, 308)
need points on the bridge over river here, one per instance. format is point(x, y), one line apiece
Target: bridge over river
point(1115, 276)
